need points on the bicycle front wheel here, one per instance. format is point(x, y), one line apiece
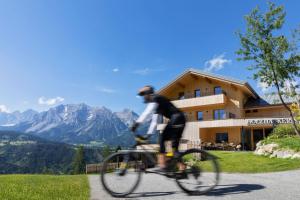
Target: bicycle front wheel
point(200, 174)
point(121, 174)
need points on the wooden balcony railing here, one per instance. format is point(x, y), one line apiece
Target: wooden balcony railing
point(201, 101)
point(190, 96)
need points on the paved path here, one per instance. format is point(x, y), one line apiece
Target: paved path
point(281, 186)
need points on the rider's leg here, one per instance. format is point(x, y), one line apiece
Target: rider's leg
point(161, 156)
point(166, 135)
point(161, 160)
point(175, 147)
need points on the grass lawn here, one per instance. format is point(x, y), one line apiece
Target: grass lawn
point(247, 162)
point(292, 142)
point(43, 187)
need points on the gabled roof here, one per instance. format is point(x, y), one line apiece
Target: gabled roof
point(218, 76)
point(212, 76)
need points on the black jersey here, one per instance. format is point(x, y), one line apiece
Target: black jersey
point(165, 107)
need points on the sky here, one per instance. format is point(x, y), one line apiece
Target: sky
point(101, 52)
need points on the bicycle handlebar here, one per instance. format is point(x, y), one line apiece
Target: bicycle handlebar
point(141, 139)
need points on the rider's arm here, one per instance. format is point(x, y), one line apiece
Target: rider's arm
point(150, 109)
point(153, 124)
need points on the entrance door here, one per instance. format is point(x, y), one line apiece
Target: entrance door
point(268, 131)
point(246, 139)
point(258, 135)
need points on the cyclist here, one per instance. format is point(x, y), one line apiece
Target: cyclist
point(158, 105)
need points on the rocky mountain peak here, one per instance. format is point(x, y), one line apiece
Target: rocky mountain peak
point(72, 123)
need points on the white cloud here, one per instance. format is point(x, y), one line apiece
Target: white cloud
point(106, 90)
point(3, 108)
point(51, 101)
point(146, 71)
point(216, 63)
point(116, 70)
point(263, 86)
point(289, 84)
point(143, 72)
point(292, 84)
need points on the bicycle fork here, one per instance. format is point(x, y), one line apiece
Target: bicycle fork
point(123, 166)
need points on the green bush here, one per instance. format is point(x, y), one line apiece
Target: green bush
point(283, 131)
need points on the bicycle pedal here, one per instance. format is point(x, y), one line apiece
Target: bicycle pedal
point(181, 175)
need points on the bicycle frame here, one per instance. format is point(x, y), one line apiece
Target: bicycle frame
point(137, 152)
point(143, 151)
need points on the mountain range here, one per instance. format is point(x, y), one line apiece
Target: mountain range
point(74, 124)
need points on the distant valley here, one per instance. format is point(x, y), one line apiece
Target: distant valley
point(24, 153)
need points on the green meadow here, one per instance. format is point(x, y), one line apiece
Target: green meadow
point(248, 162)
point(44, 187)
point(76, 187)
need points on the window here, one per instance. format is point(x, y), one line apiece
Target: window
point(231, 116)
point(219, 114)
point(181, 95)
point(197, 93)
point(221, 137)
point(248, 111)
point(255, 110)
point(199, 115)
point(218, 90)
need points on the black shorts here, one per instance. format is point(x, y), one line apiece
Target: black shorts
point(173, 132)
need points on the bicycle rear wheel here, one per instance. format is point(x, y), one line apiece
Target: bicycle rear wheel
point(200, 174)
point(121, 174)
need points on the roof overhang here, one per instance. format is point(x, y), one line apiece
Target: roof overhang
point(197, 73)
point(266, 106)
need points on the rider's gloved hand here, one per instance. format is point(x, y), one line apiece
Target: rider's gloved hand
point(134, 126)
point(143, 137)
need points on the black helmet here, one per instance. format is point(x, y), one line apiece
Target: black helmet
point(146, 90)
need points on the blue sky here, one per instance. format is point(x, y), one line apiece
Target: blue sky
point(100, 52)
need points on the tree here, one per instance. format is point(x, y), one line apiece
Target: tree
point(275, 60)
point(106, 151)
point(79, 161)
point(118, 148)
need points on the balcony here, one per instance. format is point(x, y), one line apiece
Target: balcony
point(193, 126)
point(219, 99)
point(246, 122)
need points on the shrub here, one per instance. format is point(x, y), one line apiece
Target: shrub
point(283, 131)
point(296, 111)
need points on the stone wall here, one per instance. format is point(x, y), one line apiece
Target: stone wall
point(273, 151)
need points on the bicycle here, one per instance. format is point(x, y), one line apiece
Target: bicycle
point(127, 167)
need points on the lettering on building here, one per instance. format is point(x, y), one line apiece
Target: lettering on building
point(253, 122)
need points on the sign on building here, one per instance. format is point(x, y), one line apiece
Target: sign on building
point(275, 121)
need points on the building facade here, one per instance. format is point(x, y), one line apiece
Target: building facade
point(220, 109)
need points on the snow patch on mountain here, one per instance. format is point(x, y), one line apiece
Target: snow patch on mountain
point(127, 116)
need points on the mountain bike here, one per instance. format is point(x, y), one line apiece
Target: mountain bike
point(121, 172)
